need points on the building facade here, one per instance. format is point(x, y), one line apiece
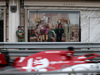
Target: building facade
point(80, 20)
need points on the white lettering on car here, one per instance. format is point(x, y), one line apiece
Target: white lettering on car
point(41, 64)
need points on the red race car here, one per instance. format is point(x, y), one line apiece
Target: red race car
point(53, 60)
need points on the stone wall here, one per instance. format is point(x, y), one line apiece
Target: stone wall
point(90, 26)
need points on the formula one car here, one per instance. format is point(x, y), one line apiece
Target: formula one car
point(53, 60)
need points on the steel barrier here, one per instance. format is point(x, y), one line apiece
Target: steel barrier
point(28, 48)
point(52, 73)
point(29, 52)
point(47, 45)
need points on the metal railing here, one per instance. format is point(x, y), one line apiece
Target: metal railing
point(47, 45)
point(28, 48)
point(52, 73)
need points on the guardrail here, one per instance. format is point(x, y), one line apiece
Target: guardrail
point(52, 73)
point(47, 45)
point(28, 48)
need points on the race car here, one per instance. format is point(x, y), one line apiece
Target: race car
point(56, 60)
point(4, 58)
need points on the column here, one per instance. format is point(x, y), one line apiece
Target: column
point(14, 20)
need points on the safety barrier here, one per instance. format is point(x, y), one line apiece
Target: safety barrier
point(47, 45)
point(53, 73)
point(28, 48)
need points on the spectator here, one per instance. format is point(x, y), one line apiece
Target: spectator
point(20, 34)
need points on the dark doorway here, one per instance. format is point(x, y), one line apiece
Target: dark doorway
point(1, 31)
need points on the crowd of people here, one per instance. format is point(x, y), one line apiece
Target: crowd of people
point(46, 33)
point(42, 33)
